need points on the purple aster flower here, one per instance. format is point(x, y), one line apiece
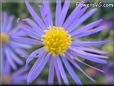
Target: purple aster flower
point(17, 77)
point(11, 50)
point(60, 41)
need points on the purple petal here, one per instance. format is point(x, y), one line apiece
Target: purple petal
point(93, 50)
point(64, 12)
point(87, 56)
point(93, 55)
point(47, 9)
point(34, 54)
point(27, 40)
point(58, 11)
point(88, 43)
point(76, 18)
point(85, 28)
point(43, 14)
point(19, 72)
point(9, 58)
point(71, 71)
point(75, 58)
point(62, 72)
point(83, 10)
point(34, 15)
point(2, 59)
point(20, 45)
point(89, 32)
point(36, 28)
point(20, 79)
point(79, 68)
point(73, 15)
point(4, 20)
point(80, 13)
point(9, 24)
point(42, 54)
point(37, 68)
point(75, 24)
point(6, 70)
point(20, 33)
point(15, 29)
point(16, 58)
point(51, 72)
point(20, 51)
point(57, 72)
point(27, 29)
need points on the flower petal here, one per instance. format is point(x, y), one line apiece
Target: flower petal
point(51, 72)
point(47, 9)
point(71, 71)
point(34, 54)
point(34, 15)
point(93, 50)
point(19, 51)
point(36, 28)
point(57, 71)
point(73, 15)
point(27, 40)
point(19, 33)
point(64, 12)
point(6, 69)
point(28, 30)
point(75, 24)
point(16, 29)
point(9, 24)
point(85, 28)
point(58, 11)
point(20, 79)
point(43, 14)
point(93, 55)
point(37, 68)
point(78, 60)
point(89, 32)
point(87, 56)
point(79, 68)
point(16, 58)
point(20, 71)
point(88, 43)
point(20, 45)
point(9, 58)
point(62, 72)
point(4, 20)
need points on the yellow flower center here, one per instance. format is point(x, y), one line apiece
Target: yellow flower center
point(56, 40)
point(4, 38)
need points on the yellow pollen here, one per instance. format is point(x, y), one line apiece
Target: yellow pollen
point(56, 40)
point(4, 38)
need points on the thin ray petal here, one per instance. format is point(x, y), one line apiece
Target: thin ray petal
point(37, 68)
point(34, 15)
point(51, 72)
point(62, 72)
point(71, 71)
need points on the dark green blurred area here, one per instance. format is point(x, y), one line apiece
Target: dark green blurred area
point(107, 13)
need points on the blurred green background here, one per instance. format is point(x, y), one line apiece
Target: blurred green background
point(107, 13)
